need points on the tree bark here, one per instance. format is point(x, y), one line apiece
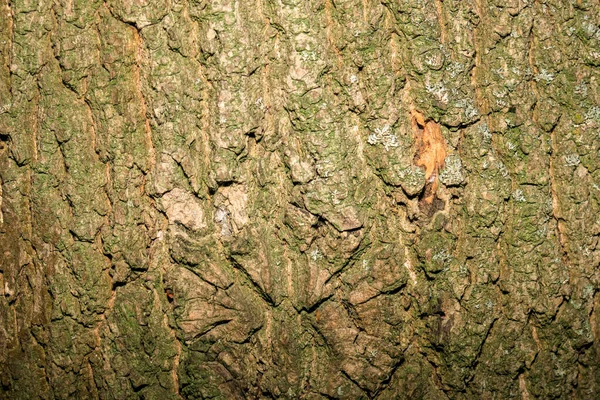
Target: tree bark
point(392, 199)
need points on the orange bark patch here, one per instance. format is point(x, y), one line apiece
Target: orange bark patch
point(431, 151)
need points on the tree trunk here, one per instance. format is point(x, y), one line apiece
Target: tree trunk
point(392, 199)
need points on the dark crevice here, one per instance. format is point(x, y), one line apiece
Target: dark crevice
point(257, 288)
point(316, 305)
point(475, 361)
point(353, 314)
point(251, 334)
point(319, 335)
point(192, 267)
point(210, 328)
point(348, 263)
point(367, 391)
point(118, 284)
point(137, 389)
point(385, 384)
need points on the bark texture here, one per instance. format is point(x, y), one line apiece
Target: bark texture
point(392, 199)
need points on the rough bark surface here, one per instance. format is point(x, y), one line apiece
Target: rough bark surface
point(392, 199)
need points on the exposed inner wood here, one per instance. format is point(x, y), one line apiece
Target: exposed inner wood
point(430, 153)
